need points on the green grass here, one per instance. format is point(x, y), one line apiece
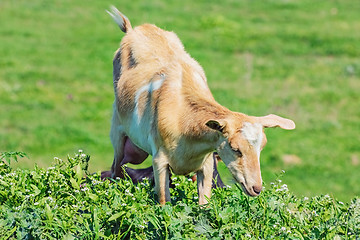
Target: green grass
point(298, 59)
point(64, 202)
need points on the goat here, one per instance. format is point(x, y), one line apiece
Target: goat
point(164, 105)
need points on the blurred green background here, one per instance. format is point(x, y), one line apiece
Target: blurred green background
point(297, 59)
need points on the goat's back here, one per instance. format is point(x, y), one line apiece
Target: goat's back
point(156, 77)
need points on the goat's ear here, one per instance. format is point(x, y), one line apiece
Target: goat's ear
point(217, 125)
point(275, 121)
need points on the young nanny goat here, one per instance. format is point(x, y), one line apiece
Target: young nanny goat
point(163, 104)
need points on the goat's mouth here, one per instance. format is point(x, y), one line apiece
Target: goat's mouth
point(247, 192)
point(244, 189)
point(242, 182)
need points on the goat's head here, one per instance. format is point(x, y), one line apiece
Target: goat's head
point(241, 140)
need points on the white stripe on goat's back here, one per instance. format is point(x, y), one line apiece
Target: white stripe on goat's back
point(148, 89)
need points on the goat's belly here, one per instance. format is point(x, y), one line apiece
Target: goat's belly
point(184, 166)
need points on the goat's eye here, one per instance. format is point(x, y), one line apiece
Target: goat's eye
point(238, 152)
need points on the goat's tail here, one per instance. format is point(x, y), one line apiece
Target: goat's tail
point(121, 20)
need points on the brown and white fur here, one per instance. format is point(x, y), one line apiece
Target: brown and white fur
point(164, 105)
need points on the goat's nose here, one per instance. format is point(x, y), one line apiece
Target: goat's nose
point(257, 189)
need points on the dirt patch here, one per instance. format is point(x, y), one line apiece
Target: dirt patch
point(290, 159)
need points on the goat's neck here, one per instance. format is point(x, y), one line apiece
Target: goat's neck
point(199, 111)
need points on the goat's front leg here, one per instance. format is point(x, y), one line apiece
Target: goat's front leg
point(204, 179)
point(161, 177)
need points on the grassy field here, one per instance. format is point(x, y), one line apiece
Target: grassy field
point(298, 59)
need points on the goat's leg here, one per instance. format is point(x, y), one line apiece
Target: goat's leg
point(217, 182)
point(204, 179)
point(161, 177)
point(118, 138)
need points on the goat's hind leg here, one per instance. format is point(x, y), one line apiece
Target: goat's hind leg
point(124, 150)
point(118, 137)
point(117, 134)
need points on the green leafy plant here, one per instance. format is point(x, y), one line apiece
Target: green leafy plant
point(64, 201)
point(7, 157)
